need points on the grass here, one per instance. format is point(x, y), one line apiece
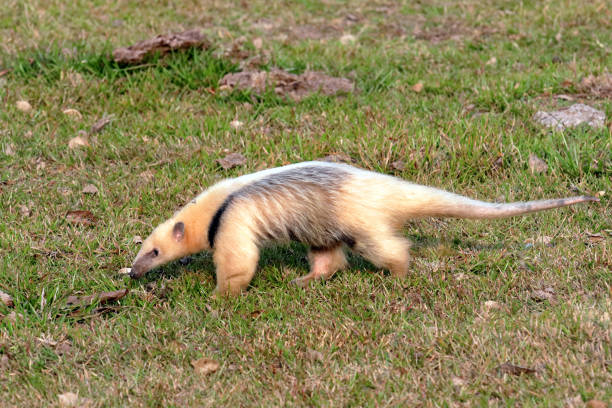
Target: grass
point(361, 339)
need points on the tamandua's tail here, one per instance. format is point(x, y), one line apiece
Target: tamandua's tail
point(421, 201)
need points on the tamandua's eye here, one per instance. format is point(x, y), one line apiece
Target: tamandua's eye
point(155, 252)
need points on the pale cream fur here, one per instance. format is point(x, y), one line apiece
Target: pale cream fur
point(372, 206)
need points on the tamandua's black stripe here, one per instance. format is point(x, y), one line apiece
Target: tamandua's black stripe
point(216, 220)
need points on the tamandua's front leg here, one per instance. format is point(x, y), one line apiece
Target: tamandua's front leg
point(235, 261)
point(323, 264)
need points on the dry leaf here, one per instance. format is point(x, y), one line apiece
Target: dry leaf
point(137, 239)
point(232, 160)
point(418, 87)
point(537, 165)
point(398, 165)
point(162, 44)
point(73, 113)
point(6, 299)
point(594, 238)
point(491, 305)
point(205, 366)
point(25, 211)
point(68, 399)
point(491, 61)
point(100, 124)
point(23, 106)
point(600, 85)
point(314, 355)
point(78, 141)
point(542, 295)
point(90, 189)
point(295, 86)
point(82, 217)
point(102, 297)
point(508, 368)
point(9, 149)
point(236, 124)
point(337, 158)
point(458, 382)
point(596, 404)
point(257, 43)
point(347, 39)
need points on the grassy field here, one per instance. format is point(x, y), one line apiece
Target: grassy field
point(532, 291)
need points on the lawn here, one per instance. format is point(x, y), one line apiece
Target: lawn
point(445, 94)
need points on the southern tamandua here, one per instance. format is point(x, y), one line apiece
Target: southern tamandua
point(324, 205)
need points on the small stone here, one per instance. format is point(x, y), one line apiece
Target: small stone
point(24, 106)
point(347, 39)
point(125, 271)
point(236, 124)
point(573, 116)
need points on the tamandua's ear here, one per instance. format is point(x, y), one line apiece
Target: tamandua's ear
point(178, 231)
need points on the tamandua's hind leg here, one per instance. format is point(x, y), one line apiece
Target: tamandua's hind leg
point(389, 250)
point(323, 264)
point(235, 264)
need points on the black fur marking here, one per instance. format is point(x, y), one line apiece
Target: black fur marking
point(216, 220)
point(349, 241)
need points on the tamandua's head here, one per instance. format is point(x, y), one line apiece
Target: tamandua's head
point(166, 243)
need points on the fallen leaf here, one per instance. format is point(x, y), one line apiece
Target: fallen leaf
point(4, 72)
point(600, 85)
point(347, 39)
point(594, 238)
point(294, 86)
point(162, 44)
point(492, 305)
point(68, 399)
point(24, 106)
point(564, 97)
point(596, 404)
point(236, 124)
point(542, 295)
point(9, 149)
point(458, 382)
point(25, 211)
point(6, 299)
point(4, 361)
point(137, 239)
point(573, 116)
point(102, 298)
point(537, 165)
point(255, 314)
point(508, 368)
point(205, 366)
point(337, 158)
point(72, 113)
point(398, 165)
point(257, 43)
point(100, 124)
point(77, 142)
point(491, 61)
point(82, 217)
point(12, 317)
point(314, 355)
point(90, 189)
point(232, 160)
point(418, 87)
point(125, 271)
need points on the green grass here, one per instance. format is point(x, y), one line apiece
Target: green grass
point(360, 339)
